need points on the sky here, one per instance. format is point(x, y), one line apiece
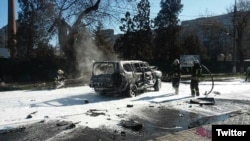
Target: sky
point(196, 8)
point(191, 9)
point(69, 104)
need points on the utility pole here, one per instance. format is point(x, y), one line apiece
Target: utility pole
point(12, 28)
point(234, 36)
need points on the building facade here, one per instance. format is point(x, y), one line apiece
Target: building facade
point(216, 34)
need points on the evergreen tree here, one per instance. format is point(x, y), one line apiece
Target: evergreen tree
point(142, 19)
point(33, 26)
point(143, 30)
point(136, 42)
point(124, 45)
point(127, 24)
point(167, 30)
point(168, 15)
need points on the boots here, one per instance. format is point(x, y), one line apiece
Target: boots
point(193, 92)
point(197, 93)
point(176, 91)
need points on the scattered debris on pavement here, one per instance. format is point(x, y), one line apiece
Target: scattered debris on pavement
point(132, 124)
point(30, 115)
point(203, 101)
point(96, 112)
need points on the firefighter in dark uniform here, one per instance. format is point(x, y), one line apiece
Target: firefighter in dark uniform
point(195, 78)
point(176, 75)
point(248, 74)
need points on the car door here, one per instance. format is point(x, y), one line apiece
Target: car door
point(139, 78)
point(128, 70)
point(147, 73)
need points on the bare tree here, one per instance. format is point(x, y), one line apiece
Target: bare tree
point(73, 17)
point(240, 20)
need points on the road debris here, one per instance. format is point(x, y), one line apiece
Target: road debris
point(132, 124)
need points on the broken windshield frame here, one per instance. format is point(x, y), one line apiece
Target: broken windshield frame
point(103, 68)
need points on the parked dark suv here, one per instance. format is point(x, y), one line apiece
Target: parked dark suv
point(124, 77)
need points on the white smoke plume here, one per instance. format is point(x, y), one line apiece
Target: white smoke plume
point(87, 53)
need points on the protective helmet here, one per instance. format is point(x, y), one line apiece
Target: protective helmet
point(196, 61)
point(60, 71)
point(176, 61)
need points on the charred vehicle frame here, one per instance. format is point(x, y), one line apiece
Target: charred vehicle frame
point(124, 77)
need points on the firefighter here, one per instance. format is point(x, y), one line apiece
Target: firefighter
point(60, 75)
point(248, 74)
point(195, 78)
point(60, 78)
point(176, 75)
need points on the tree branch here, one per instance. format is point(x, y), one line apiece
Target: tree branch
point(85, 12)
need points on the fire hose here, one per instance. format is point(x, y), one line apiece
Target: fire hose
point(210, 74)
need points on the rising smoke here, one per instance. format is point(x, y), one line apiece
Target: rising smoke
point(87, 53)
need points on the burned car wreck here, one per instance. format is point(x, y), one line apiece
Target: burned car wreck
point(124, 77)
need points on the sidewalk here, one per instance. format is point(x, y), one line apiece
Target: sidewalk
point(204, 133)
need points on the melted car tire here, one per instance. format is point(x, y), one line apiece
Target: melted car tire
point(131, 90)
point(157, 85)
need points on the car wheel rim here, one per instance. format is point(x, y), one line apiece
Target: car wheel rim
point(133, 91)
